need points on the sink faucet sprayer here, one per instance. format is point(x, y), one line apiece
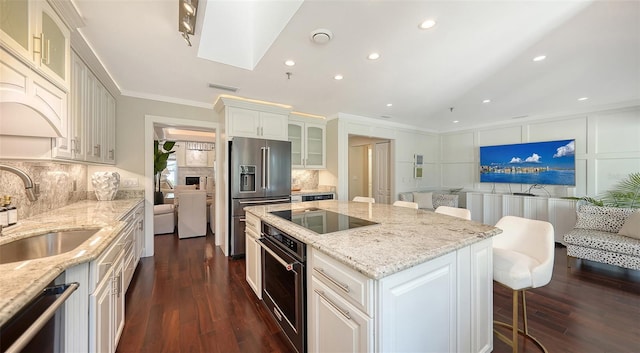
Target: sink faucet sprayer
point(32, 189)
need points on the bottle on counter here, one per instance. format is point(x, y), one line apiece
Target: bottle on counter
point(4, 217)
point(12, 211)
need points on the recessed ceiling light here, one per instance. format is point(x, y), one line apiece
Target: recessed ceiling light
point(373, 56)
point(289, 62)
point(427, 24)
point(338, 77)
point(539, 58)
point(583, 98)
point(486, 101)
point(456, 121)
point(389, 104)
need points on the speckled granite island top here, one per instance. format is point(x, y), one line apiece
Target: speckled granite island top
point(403, 238)
point(22, 281)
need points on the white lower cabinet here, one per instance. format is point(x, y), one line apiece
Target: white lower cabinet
point(253, 254)
point(349, 329)
point(442, 305)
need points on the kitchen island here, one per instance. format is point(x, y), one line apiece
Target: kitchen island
point(416, 281)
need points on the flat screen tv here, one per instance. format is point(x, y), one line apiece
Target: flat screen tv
point(545, 163)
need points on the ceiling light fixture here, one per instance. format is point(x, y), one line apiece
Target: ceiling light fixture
point(583, 98)
point(486, 101)
point(373, 56)
point(539, 58)
point(389, 105)
point(338, 77)
point(456, 121)
point(187, 18)
point(427, 24)
point(289, 62)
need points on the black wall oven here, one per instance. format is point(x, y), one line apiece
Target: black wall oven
point(284, 283)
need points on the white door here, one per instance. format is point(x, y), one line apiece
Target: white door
point(358, 171)
point(382, 173)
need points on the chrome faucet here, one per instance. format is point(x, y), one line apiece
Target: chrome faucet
point(30, 187)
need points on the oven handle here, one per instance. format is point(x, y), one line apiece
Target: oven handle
point(287, 265)
point(42, 320)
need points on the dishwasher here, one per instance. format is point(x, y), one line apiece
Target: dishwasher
point(39, 326)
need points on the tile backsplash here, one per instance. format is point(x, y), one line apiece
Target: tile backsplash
point(61, 184)
point(306, 179)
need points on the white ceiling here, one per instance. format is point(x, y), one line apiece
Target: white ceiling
point(478, 50)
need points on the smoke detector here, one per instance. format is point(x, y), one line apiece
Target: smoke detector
point(321, 36)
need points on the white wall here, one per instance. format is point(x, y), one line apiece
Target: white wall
point(405, 142)
point(607, 150)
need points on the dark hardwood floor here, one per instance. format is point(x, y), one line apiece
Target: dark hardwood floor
point(190, 298)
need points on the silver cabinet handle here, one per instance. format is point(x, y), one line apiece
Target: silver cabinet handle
point(340, 310)
point(42, 320)
point(340, 285)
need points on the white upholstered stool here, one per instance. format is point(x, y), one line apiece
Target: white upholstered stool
point(522, 259)
point(163, 219)
point(454, 211)
point(364, 199)
point(407, 204)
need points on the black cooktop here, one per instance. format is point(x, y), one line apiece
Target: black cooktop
point(322, 221)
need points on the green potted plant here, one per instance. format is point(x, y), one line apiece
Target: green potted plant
point(625, 194)
point(160, 157)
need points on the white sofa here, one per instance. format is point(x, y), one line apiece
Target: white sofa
point(429, 200)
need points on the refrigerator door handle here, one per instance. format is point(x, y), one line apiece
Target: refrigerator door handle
point(263, 151)
point(268, 169)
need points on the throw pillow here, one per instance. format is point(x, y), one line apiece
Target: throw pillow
point(631, 227)
point(423, 199)
point(606, 219)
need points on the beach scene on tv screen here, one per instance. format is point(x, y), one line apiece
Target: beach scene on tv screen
point(547, 163)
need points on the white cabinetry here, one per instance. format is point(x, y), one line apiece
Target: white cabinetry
point(253, 254)
point(251, 119)
point(253, 123)
point(443, 305)
point(90, 133)
point(106, 303)
point(308, 144)
point(31, 92)
point(33, 32)
point(489, 208)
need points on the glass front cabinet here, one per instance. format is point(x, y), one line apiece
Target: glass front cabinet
point(33, 32)
point(308, 144)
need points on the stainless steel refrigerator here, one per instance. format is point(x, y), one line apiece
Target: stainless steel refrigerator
point(259, 174)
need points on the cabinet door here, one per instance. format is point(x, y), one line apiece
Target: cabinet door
point(418, 308)
point(273, 126)
point(329, 315)
point(52, 53)
point(118, 300)
point(315, 146)
point(243, 122)
point(253, 262)
point(109, 133)
point(15, 27)
point(562, 215)
point(69, 146)
point(101, 318)
point(296, 131)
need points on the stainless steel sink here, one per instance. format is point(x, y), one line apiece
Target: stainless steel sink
point(43, 245)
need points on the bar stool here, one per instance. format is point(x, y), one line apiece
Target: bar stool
point(407, 204)
point(364, 199)
point(523, 257)
point(454, 211)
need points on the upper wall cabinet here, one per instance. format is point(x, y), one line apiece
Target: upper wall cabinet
point(34, 69)
point(32, 31)
point(308, 143)
point(90, 132)
point(250, 119)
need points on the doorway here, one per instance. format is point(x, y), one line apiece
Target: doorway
point(370, 168)
point(154, 124)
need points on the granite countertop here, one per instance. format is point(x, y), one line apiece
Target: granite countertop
point(403, 238)
point(23, 281)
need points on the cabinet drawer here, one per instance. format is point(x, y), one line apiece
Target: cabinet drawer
point(252, 222)
point(102, 266)
point(350, 284)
